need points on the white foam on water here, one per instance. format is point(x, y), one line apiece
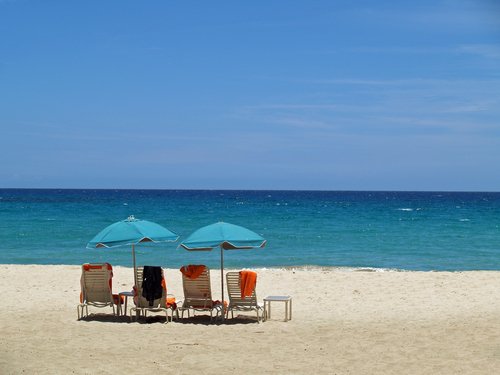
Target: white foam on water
point(336, 269)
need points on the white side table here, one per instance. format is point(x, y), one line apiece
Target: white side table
point(126, 295)
point(288, 306)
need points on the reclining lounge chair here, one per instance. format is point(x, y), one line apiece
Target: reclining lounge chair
point(241, 290)
point(197, 291)
point(96, 283)
point(150, 295)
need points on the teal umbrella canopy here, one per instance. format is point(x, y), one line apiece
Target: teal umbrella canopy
point(225, 235)
point(131, 232)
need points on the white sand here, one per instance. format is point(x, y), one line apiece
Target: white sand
point(343, 323)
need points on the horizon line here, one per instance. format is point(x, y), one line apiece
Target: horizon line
point(263, 190)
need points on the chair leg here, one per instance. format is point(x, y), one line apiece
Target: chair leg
point(137, 313)
point(176, 312)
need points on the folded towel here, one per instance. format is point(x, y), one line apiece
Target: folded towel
point(193, 271)
point(88, 267)
point(248, 279)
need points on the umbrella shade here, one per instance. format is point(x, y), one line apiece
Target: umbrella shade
point(131, 232)
point(225, 236)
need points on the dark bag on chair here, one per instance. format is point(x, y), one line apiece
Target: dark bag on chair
point(151, 284)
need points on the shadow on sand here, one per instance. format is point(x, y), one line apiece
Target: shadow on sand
point(205, 320)
point(197, 319)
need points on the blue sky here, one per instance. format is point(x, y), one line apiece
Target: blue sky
point(333, 95)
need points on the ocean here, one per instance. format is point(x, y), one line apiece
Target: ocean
point(350, 229)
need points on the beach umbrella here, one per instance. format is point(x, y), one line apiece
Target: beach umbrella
point(225, 236)
point(131, 231)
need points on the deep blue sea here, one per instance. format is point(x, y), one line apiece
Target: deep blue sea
point(388, 230)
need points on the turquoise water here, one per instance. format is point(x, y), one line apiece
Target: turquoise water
point(395, 230)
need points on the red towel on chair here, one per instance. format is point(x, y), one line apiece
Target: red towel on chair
point(248, 279)
point(192, 271)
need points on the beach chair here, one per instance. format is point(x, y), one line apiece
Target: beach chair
point(198, 292)
point(241, 291)
point(159, 303)
point(96, 289)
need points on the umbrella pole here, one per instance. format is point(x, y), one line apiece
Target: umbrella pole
point(222, 280)
point(135, 271)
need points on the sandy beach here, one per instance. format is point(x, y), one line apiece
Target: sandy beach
point(343, 323)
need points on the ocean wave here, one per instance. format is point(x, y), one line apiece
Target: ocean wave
point(332, 268)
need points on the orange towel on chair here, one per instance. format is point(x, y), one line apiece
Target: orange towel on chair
point(192, 271)
point(248, 279)
point(169, 300)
